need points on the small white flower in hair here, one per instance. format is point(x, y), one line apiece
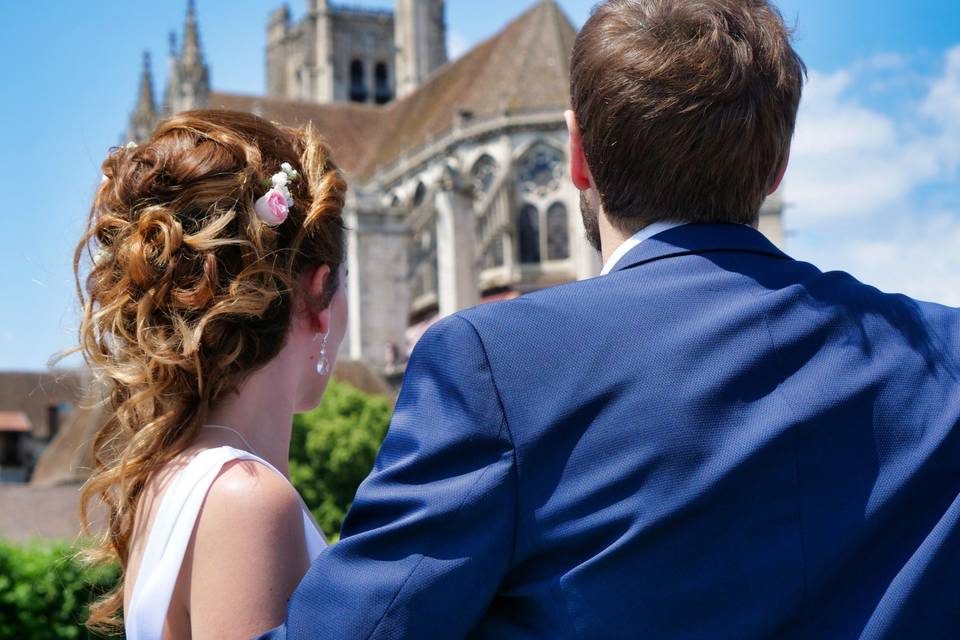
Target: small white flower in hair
point(279, 179)
point(103, 254)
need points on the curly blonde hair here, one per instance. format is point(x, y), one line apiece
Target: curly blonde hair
point(190, 292)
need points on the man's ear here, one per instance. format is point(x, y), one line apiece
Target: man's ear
point(779, 180)
point(579, 171)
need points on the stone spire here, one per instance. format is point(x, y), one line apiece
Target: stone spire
point(192, 55)
point(189, 83)
point(173, 59)
point(144, 117)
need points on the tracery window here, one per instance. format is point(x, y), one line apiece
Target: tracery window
point(423, 258)
point(542, 221)
point(558, 232)
point(482, 176)
point(540, 171)
point(528, 234)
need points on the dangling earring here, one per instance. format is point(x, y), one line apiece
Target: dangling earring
point(323, 365)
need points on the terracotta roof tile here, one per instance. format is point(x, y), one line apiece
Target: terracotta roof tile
point(14, 421)
point(348, 127)
point(34, 392)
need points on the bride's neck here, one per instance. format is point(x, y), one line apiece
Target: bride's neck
point(261, 411)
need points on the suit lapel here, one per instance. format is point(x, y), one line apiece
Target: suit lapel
point(696, 239)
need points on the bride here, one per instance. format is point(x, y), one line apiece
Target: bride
point(213, 310)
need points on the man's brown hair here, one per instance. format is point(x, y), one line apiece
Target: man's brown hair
point(686, 108)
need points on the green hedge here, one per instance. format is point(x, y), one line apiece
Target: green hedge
point(333, 449)
point(45, 591)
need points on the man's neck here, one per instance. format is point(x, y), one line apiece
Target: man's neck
point(610, 238)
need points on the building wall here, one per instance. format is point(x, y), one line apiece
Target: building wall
point(365, 38)
point(421, 41)
point(377, 287)
point(311, 59)
point(426, 234)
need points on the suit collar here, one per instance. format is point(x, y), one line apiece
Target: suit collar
point(699, 238)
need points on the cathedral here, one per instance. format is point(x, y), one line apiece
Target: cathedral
point(457, 169)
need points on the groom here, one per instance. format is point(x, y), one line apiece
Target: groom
point(711, 440)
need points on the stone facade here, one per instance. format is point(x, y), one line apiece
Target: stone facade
point(340, 54)
point(458, 186)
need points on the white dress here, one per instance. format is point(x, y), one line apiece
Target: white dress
point(171, 532)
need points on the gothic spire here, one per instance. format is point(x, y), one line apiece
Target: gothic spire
point(144, 117)
point(188, 86)
point(145, 101)
point(192, 54)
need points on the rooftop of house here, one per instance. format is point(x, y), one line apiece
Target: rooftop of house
point(14, 421)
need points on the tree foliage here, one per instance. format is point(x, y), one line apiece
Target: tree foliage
point(45, 591)
point(333, 449)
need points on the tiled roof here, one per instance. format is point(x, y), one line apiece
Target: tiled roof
point(14, 421)
point(349, 128)
point(525, 67)
point(34, 392)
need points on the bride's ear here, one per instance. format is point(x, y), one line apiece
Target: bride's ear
point(316, 284)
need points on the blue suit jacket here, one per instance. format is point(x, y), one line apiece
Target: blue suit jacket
point(713, 441)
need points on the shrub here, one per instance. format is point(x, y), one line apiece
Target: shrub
point(45, 591)
point(333, 449)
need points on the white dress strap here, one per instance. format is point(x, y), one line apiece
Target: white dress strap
point(171, 532)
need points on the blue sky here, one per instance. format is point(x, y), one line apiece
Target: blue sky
point(873, 186)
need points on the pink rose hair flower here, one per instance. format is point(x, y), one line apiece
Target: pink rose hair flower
point(274, 206)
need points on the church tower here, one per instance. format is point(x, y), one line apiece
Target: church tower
point(189, 84)
point(421, 41)
point(324, 82)
point(144, 116)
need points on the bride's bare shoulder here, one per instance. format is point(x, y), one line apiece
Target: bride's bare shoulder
point(248, 552)
point(249, 490)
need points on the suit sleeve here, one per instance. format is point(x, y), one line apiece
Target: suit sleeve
point(431, 532)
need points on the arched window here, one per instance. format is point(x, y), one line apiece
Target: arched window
point(419, 195)
point(558, 235)
point(543, 223)
point(528, 234)
point(381, 82)
point(483, 174)
point(423, 263)
point(358, 82)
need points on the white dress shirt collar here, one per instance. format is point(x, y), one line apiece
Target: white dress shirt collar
point(631, 242)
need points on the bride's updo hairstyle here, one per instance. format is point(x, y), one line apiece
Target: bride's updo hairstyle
point(188, 291)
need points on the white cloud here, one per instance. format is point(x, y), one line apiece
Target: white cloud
point(916, 255)
point(850, 159)
point(884, 62)
point(863, 177)
point(457, 44)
